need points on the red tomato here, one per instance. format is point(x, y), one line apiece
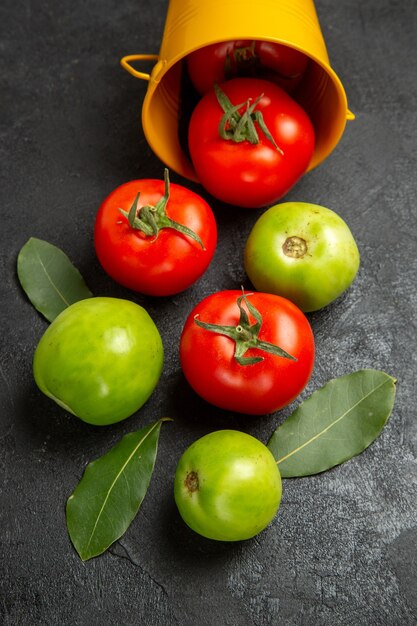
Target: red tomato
point(229, 59)
point(208, 357)
point(250, 170)
point(165, 261)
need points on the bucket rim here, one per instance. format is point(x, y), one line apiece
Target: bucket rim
point(165, 65)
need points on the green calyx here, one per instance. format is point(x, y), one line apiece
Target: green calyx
point(245, 335)
point(241, 60)
point(151, 219)
point(238, 127)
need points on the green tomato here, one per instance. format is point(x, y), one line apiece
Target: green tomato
point(303, 252)
point(100, 359)
point(227, 486)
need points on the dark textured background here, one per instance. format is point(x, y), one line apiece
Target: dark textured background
point(342, 549)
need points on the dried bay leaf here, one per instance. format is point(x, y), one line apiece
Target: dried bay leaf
point(336, 423)
point(49, 279)
point(110, 493)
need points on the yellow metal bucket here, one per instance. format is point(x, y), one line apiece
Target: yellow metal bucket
point(193, 24)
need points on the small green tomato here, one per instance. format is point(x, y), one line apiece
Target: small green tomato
point(303, 252)
point(227, 486)
point(100, 359)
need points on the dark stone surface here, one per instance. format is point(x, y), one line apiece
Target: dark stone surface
point(342, 549)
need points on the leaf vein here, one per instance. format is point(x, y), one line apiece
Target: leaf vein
point(120, 472)
point(306, 443)
point(51, 281)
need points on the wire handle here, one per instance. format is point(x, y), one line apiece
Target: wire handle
point(125, 63)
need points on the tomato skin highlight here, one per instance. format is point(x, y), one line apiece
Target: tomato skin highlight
point(227, 486)
point(245, 174)
point(160, 266)
point(207, 359)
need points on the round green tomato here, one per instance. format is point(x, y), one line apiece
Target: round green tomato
point(227, 486)
point(303, 252)
point(100, 359)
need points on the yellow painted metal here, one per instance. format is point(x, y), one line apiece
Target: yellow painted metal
point(193, 24)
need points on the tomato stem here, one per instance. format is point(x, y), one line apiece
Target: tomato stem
point(245, 54)
point(151, 219)
point(245, 61)
point(241, 61)
point(245, 335)
point(238, 127)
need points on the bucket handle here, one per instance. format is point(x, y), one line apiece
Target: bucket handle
point(125, 63)
point(349, 115)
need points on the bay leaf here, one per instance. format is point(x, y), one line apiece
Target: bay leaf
point(49, 279)
point(336, 423)
point(110, 493)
